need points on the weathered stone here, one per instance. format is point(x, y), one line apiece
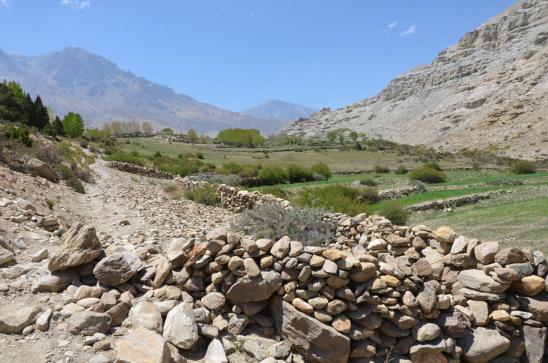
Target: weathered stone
point(302, 306)
point(42, 322)
point(215, 352)
point(6, 256)
point(180, 326)
point(214, 301)
point(89, 323)
point(480, 311)
point(117, 268)
point(251, 267)
point(478, 280)
point(280, 249)
point(314, 340)
point(510, 255)
point(446, 234)
point(80, 245)
point(13, 322)
point(481, 345)
point(363, 272)
point(535, 342)
point(425, 332)
point(141, 345)
point(147, 315)
point(538, 306)
point(529, 285)
point(486, 251)
point(42, 169)
point(248, 289)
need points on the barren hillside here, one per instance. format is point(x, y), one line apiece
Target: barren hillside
point(489, 91)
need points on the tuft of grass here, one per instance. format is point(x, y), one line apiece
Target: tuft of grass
point(523, 167)
point(369, 182)
point(395, 212)
point(205, 195)
point(50, 203)
point(70, 178)
point(335, 198)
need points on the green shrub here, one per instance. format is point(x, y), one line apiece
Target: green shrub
point(276, 191)
point(273, 175)
point(274, 221)
point(427, 174)
point(369, 182)
point(322, 169)
point(240, 137)
point(126, 158)
point(395, 212)
point(369, 195)
point(335, 198)
point(298, 174)
point(434, 165)
point(232, 168)
point(523, 167)
point(21, 133)
point(70, 178)
point(205, 195)
point(381, 169)
point(401, 170)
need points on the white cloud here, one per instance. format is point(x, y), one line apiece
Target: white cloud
point(76, 4)
point(392, 25)
point(4, 3)
point(411, 30)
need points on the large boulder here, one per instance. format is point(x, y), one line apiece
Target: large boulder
point(117, 268)
point(180, 327)
point(80, 245)
point(315, 341)
point(260, 288)
point(39, 168)
point(141, 345)
point(215, 352)
point(13, 322)
point(481, 345)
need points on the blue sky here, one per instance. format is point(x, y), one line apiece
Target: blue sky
point(237, 53)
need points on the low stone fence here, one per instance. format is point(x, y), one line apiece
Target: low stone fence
point(453, 202)
point(401, 192)
point(139, 170)
point(233, 198)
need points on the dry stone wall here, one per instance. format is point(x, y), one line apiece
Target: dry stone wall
point(139, 170)
point(379, 293)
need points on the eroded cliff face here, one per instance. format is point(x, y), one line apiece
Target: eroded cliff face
point(489, 91)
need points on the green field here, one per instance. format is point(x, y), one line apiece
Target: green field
point(338, 160)
point(518, 217)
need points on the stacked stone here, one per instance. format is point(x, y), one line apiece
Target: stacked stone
point(401, 192)
point(234, 198)
point(381, 292)
point(139, 170)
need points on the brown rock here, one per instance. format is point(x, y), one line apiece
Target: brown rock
point(529, 285)
point(80, 245)
point(141, 345)
point(446, 234)
point(510, 255)
point(315, 341)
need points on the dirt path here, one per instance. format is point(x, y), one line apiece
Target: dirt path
point(116, 197)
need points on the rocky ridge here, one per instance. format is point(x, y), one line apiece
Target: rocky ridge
point(489, 91)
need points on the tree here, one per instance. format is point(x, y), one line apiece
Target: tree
point(353, 136)
point(167, 131)
point(58, 127)
point(341, 138)
point(41, 116)
point(146, 128)
point(73, 125)
point(331, 136)
point(240, 137)
point(192, 136)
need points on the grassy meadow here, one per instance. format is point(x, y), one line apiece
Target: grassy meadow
point(517, 217)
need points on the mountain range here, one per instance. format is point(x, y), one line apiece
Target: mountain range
point(76, 80)
point(489, 91)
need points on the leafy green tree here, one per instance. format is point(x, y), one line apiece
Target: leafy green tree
point(192, 136)
point(331, 136)
point(341, 138)
point(353, 136)
point(73, 125)
point(241, 137)
point(167, 131)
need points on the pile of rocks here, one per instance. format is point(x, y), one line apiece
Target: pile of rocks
point(379, 293)
point(139, 170)
point(453, 202)
point(233, 198)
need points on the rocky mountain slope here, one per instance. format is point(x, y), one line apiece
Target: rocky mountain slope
point(279, 110)
point(76, 80)
point(489, 91)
